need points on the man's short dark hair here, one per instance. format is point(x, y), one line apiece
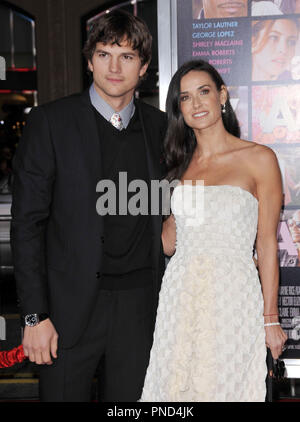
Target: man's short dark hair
point(116, 27)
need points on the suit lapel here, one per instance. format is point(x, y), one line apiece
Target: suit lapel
point(87, 127)
point(153, 157)
point(155, 173)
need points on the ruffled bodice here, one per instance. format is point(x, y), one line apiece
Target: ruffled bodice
point(224, 222)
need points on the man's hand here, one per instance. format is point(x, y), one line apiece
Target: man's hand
point(40, 343)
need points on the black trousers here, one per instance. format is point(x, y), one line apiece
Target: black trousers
point(120, 335)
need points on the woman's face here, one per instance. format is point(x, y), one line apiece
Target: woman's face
point(278, 50)
point(200, 100)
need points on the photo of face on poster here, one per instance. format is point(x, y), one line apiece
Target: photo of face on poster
point(288, 159)
point(239, 103)
point(274, 45)
point(289, 239)
point(276, 114)
point(209, 9)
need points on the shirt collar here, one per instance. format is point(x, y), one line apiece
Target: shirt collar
point(107, 111)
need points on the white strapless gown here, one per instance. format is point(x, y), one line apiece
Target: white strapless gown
point(209, 340)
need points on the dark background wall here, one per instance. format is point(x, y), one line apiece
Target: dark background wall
point(49, 64)
point(58, 42)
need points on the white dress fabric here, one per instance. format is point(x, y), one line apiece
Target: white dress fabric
point(209, 340)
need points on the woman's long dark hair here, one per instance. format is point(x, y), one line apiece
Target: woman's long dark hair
point(180, 141)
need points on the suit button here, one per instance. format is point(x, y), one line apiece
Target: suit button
point(102, 239)
point(98, 275)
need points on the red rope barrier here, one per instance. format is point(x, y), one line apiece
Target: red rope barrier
point(11, 357)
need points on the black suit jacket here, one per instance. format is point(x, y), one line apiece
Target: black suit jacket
point(56, 231)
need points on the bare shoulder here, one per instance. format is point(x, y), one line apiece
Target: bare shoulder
point(265, 171)
point(263, 152)
point(258, 157)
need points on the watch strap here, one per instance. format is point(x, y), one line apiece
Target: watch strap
point(43, 316)
point(40, 317)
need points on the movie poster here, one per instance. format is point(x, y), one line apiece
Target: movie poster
point(255, 46)
point(289, 310)
point(289, 238)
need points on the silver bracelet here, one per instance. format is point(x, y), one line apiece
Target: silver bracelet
point(270, 324)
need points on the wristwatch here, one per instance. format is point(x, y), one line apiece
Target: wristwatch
point(31, 320)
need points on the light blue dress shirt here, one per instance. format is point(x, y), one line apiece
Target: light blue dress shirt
point(107, 111)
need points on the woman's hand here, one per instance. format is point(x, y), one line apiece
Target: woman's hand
point(275, 339)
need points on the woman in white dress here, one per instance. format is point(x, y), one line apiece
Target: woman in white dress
point(215, 318)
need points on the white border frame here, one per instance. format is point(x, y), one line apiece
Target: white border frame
point(167, 46)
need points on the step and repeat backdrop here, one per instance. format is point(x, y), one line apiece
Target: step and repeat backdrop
point(255, 46)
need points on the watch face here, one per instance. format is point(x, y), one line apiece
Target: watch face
point(31, 320)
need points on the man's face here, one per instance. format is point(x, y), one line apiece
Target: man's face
point(225, 8)
point(116, 71)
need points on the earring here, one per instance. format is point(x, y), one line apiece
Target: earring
point(223, 107)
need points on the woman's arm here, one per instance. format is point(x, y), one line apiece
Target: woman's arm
point(169, 236)
point(269, 192)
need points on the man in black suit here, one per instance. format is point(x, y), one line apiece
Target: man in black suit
point(88, 284)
